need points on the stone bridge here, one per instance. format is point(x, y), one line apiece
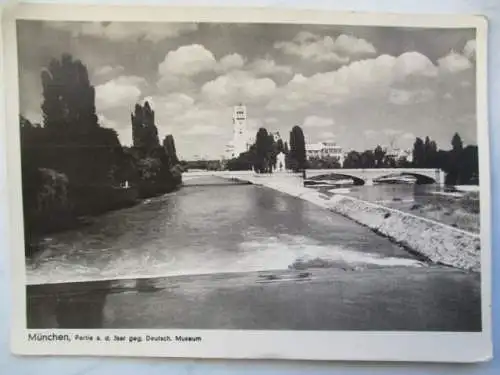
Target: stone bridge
point(367, 176)
point(359, 176)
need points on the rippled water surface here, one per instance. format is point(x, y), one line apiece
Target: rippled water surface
point(210, 228)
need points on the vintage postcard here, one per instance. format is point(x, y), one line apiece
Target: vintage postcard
point(248, 183)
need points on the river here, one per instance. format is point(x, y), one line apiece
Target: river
point(210, 228)
point(215, 255)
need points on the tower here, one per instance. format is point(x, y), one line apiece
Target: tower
point(239, 129)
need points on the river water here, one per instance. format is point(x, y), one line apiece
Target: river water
point(212, 228)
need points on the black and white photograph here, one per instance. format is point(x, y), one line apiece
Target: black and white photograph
point(250, 176)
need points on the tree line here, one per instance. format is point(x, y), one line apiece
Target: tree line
point(262, 155)
point(73, 167)
point(459, 163)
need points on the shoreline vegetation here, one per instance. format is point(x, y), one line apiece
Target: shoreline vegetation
point(73, 168)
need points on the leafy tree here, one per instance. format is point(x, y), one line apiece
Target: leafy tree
point(469, 163)
point(324, 163)
point(68, 96)
point(418, 153)
point(297, 149)
point(169, 146)
point(368, 159)
point(352, 160)
point(456, 143)
point(144, 130)
point(430, 153)
point(379, 155)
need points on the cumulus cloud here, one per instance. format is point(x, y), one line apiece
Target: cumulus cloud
point(120, 91)
point(317, 121)
point(391, 132)
point(360, 78)
point(315, 48)
point(106, 122)
point(405, 97)
point(469, 50)
point(108, 70)
point(187, 60)
point(175, 103)
point(230, 62)
point(125, 31)
point(268, 66)
point(454, 62)
point(240, 86)
point(327, 136)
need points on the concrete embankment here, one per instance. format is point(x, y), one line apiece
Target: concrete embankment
point(432, 240)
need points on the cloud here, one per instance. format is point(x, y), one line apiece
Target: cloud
point(327, 135)
point(454, 62)
point(469, 50)
point(363, 78)
point(187, 60)
point(121, 91)
point(238, 86)
point(108, 70)
point(390, 131)
point(268, 66)
point(317, 121)
point(106, 122)
point(405, 97)
point(174, 103)
point(231, 62)
point(315, 48)
point(125, 31)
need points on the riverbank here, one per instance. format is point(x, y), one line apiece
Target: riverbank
point(430, 239)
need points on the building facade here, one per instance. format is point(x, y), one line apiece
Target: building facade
point(322, 150)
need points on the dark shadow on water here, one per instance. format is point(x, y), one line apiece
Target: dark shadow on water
point(55, 306)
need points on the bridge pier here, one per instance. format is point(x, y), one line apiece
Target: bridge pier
point(369, 182)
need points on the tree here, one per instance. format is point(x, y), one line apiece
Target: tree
point(297, 149)
point(430, 153)
point(418, 153)
point(454, 157)
point(169, 146)
point(456, 143)
point(68, 96)
point(352, 160)
point(379, 155)
point(469, 163)
point(144, 130)
point(368, 159)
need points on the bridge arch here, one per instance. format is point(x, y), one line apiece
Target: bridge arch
point(421, 178)
point(357, 180)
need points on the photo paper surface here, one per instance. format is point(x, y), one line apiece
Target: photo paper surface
point(248, 183)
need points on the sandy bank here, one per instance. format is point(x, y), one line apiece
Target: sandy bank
point(430, 239)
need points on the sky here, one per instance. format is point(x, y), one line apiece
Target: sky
point(359, 86)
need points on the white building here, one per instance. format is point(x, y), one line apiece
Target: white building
point(241, 141)
point(323, 150)
point(398, 153)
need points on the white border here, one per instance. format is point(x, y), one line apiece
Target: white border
point(311, 345)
